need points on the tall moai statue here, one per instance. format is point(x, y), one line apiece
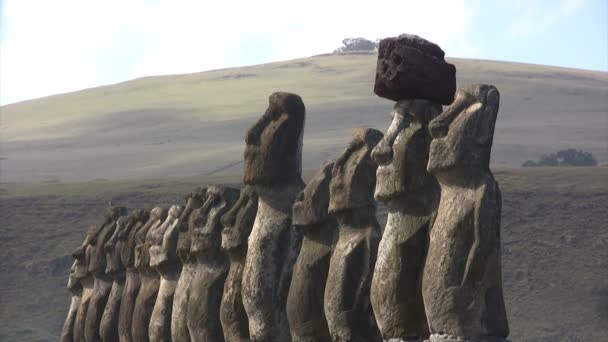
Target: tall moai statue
point(163, 258)
point(102, 281)
point(403, 184)
point(137, 220)
point(237, 223)
point(75, 288)
point(206, 288)
point(273, 166)
point(347, 304)
point(82, 254)
point(307, 290)
point(150, 279)
point(179, 320)
point(462, 282)
point(108, 329)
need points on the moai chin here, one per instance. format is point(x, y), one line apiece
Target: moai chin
point(82, 255)
point(163, 258)
point(462, 282)
point(273, 158)
point(179, 322)
point(137, 219)
point(115, 269)
point(237, 224)
point(102, 282)
point(347, 304)
point(411, 195)
point(203, 311)
point(307, 290)
point(150, 280)
point(75, 288)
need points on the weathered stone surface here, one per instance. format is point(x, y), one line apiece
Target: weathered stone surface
point(138, 219)
point(163, 257)
point(347, 304)
point(237, 223)
point(83, 255)
point(411, 195)
point(462, 282)
point(150, 279)
point(274, 144)
point(203, 312)
point(75, 288)
point(108, 329)
point(410, 67)
point(102, 282)
point(307, 290)
point(179, 322)
point(273, 159)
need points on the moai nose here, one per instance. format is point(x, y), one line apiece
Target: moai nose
point(382, 154)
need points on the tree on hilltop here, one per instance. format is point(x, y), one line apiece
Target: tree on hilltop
point(357, 44)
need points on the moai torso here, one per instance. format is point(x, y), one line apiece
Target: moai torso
point(203, 312)
point(75, 288)
point(163, 258)
point(179, 321)
point(411, 195)
point(462, 284)
point(102, 282)
point(150, 280)
point(347, 304)
point(115, 269)
point(305, 311)
point(237, 223)
point(83, 255)
point(273, 158)
point(132, 281)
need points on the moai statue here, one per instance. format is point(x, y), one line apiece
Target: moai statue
point(108, 329)
point(203, 312)
point(82, 255)
point(351, 192)
point(403, 184)
point(150, 280)
point(163, 257)
point(462, 282)
point(237, 223)
point(307, 291)
point(179, 321)
point(273, 159)
point(75, 288)
point(102, 281)
point(137, 220)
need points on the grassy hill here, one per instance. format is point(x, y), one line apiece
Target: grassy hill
point(194, 124)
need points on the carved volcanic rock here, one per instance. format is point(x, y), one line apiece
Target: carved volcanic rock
point(75, 288)
point(411, 67)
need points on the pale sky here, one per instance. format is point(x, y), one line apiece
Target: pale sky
point(55, 46)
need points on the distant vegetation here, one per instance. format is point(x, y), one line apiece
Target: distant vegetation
point(357, 44)
point(569, 157)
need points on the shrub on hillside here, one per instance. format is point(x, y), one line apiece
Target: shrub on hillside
point(569, 157)
point(357, 44)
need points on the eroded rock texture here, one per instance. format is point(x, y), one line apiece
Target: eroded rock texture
point(237, 223)
point(102, 282)
point(82, 255)
point(307, 290)
point(137, 219)
point(150, 279)
point(179, 322)
point(163, 258)
point(207, 285)
point(411, 195)
point(462, 283)
point(75, 288)
point(410, 67)
point(347, 304)
point(273, 159)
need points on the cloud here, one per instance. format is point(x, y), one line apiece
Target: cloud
point(49, 47)
point(535, 20)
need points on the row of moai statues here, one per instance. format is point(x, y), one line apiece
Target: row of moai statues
point(281, 260)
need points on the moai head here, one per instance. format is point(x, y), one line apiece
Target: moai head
point(97, 265)
point(354, 173)
point(113, 248)
point(403, 153)
point(161, 252)
point(74, 284)
point(137, 219)
point(81, 257)
point(274, 144)
point(194, 200)
point(141, 252)
point(207, 232)
point(310, 207)
point(238, 221)
point(463, 133)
